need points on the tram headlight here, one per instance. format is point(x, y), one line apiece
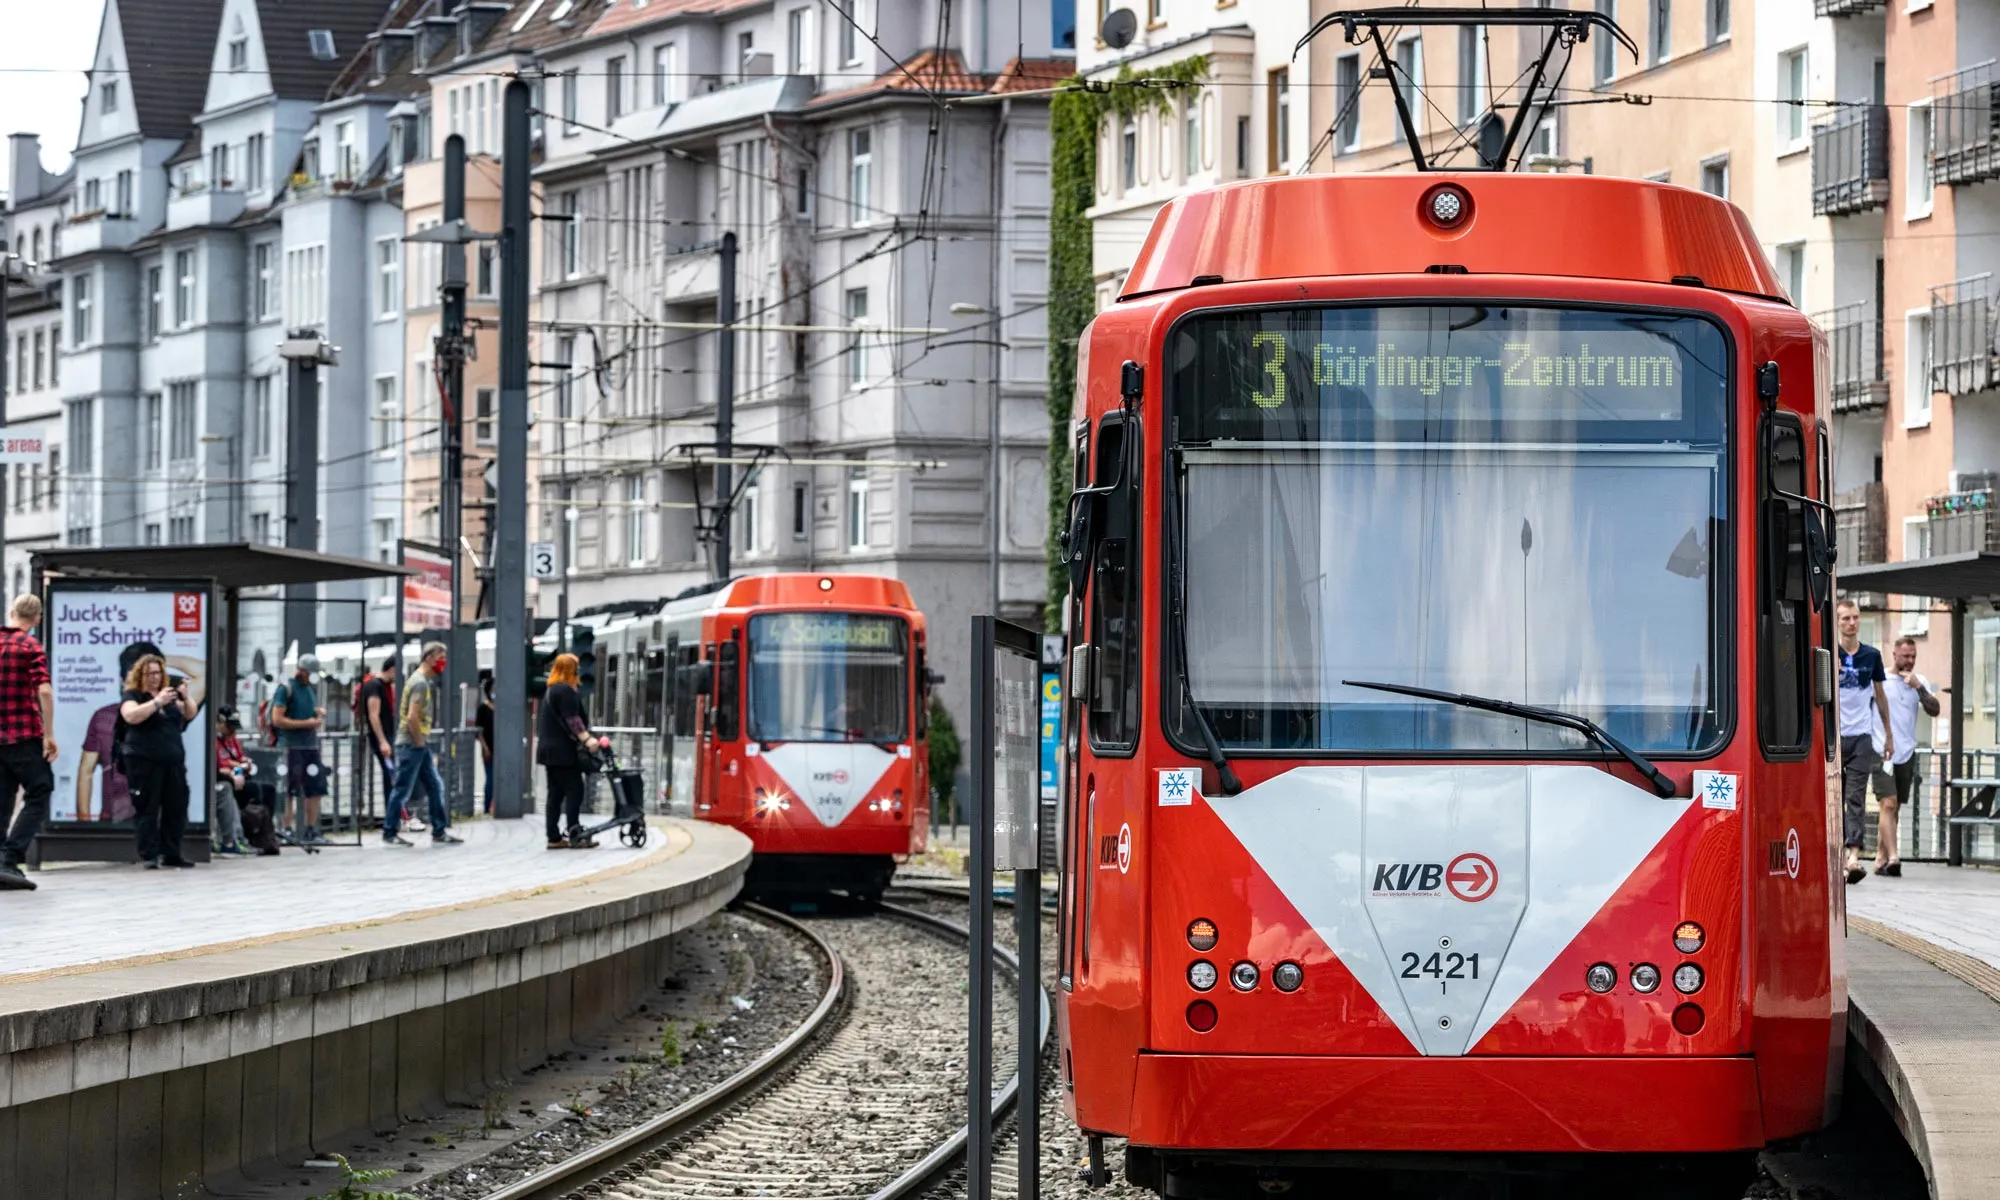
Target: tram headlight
point(1645, 977)
point(1687, 979)
point(1201, 975)
point(1289, 976)
point(1243, 976)
point(1688, 937)
point(1600, 978)
point(1447, 206)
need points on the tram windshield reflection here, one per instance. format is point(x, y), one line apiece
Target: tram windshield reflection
point(1517, 502)
point(828, 677)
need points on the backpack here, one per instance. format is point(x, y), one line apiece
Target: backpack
point(264, 725)
point(118, 728)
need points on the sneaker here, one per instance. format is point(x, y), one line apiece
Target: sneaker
point(151, 864)
point(445, 837)
point(396, 839)
point(11, 879)
point(314, 835)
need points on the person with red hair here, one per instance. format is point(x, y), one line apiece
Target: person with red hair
point(562, 738)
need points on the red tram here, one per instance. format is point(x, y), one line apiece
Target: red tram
point(810, 734)
point(1450, 773)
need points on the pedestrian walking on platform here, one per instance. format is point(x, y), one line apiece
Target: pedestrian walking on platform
point(297, 715)
point(414, 765)
point(378, 722)
point(27, 743)
point(562, 738)
point(1861, 703)
point(1906, 692)
point(154, 712)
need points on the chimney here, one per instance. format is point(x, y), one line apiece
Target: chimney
point(24, 158)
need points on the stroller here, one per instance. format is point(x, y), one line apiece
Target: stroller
point(628, 795)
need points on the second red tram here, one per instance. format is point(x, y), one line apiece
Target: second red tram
point(1449, 773)
point(810, 696)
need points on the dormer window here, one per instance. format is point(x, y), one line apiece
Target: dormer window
point(321, 43)
point(107, 96)
point(398, 139)
point(465, 38)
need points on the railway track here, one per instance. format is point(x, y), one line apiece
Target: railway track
point(865, 1099)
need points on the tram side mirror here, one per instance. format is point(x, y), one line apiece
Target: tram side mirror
point(1076, 545)
point(725, 692)
point(1821, 551)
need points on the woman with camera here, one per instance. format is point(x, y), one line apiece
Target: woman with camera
point(154, 711)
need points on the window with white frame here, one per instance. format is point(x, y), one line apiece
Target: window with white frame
point(1922, 181)
point(256, 152)
point(183, 288)
point(801, 509)
point(568, 516)
point(388, 277)
point(571, 233)
point(1916, 545)
point(798, 41)
point(151, 427)
point(1660, 37)
point(1278, 118)
point(182, 421)
point(260, 528)
point(180, 531)
point(850, 39)
point(107, 96)
point(857, 508)
point(305, 285)
point(860, 173)
point(855, 308)
point(484, 274)
point(219, 176)
point(1545, 140)
point(346, 158)
point(1917, 372)
point(1792, 270)
point(635, 520)
point(483, 417)
point(614, 87)
point(263, 280)
point(1792, 131)
point(569, 103)
point(262, 418)
point(1191, 136)
point(385, 552)
point(1604, 50)
point(1410, 78)
point(386, 425)
point(566, 382)
point(154, 301)
point(81, 307)
point(749, 520)
point(151, 533)
point(1715, 177)
point(1347, 103)
point(82, 439)
point(1128, 153)
point(1471, 73)
point(1718, 20)
point(123, 193)
point(93, 195)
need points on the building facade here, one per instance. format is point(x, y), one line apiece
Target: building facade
point(37, 208)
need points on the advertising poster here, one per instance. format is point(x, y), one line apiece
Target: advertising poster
point(88, 627)
point(426, 594)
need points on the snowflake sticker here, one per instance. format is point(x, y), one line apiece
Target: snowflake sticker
point(1716, 790)
point(1179, 786)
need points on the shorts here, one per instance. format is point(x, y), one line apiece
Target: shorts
point(1897, 780)
point(305, 774)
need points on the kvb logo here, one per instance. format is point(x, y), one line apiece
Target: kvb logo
point(835, 776)
point(187, 612)
point(1470, 877)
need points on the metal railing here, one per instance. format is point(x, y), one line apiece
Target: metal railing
point(1961, 523)
point(1854, 346)
point(1923, 830)
point(1850, 161)
point(1965, 116)
point(1845, 8)
point(1861, 525)
point(1962, 358)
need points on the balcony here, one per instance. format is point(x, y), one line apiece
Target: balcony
point(90, 232)
point(1854, 343)
point(1965, 115)
point(1961, 522)
point(1846, 8)
point(1850, 161)
point(1861, 525)
point(1962, 359)
point(202, 207)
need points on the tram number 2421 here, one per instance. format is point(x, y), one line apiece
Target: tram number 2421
point(1441, 966)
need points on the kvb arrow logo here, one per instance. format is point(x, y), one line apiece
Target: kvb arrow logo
point(1471, 877)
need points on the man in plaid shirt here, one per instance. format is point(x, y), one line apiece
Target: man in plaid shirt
point(27, 745)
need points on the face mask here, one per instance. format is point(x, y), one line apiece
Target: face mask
point(437, 664)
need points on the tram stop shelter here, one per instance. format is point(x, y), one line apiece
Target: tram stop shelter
point(1960, 580)
point(221, 570)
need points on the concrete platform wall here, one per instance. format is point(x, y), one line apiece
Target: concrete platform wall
point(111, 1089)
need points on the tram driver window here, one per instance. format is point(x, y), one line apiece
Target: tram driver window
point(1114, 590)
point(1784, 612)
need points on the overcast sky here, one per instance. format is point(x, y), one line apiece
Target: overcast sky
point(43, 56)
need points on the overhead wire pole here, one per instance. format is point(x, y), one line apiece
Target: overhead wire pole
point(450, 355)
point(510, 544)
point(725, 398)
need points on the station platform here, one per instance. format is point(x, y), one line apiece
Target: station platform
point(1923, 960)
point(231, 1018)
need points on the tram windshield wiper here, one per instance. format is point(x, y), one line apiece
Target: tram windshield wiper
point(1529, 712)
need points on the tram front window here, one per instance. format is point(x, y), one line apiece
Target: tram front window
point(828, 677)
point(1525, 503)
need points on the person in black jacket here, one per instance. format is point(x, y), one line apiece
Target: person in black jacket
point(562, 738)
point(154, 711)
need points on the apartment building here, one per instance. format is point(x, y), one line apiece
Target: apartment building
point(891, 277)
point(198, 233)
point(1248, 119)
point(37, 208)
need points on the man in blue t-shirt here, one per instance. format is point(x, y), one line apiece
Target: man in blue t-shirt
point(1861, 701)
point(298, 715)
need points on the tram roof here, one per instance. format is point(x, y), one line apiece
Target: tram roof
point(1565, 226)
point(1970, 576)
